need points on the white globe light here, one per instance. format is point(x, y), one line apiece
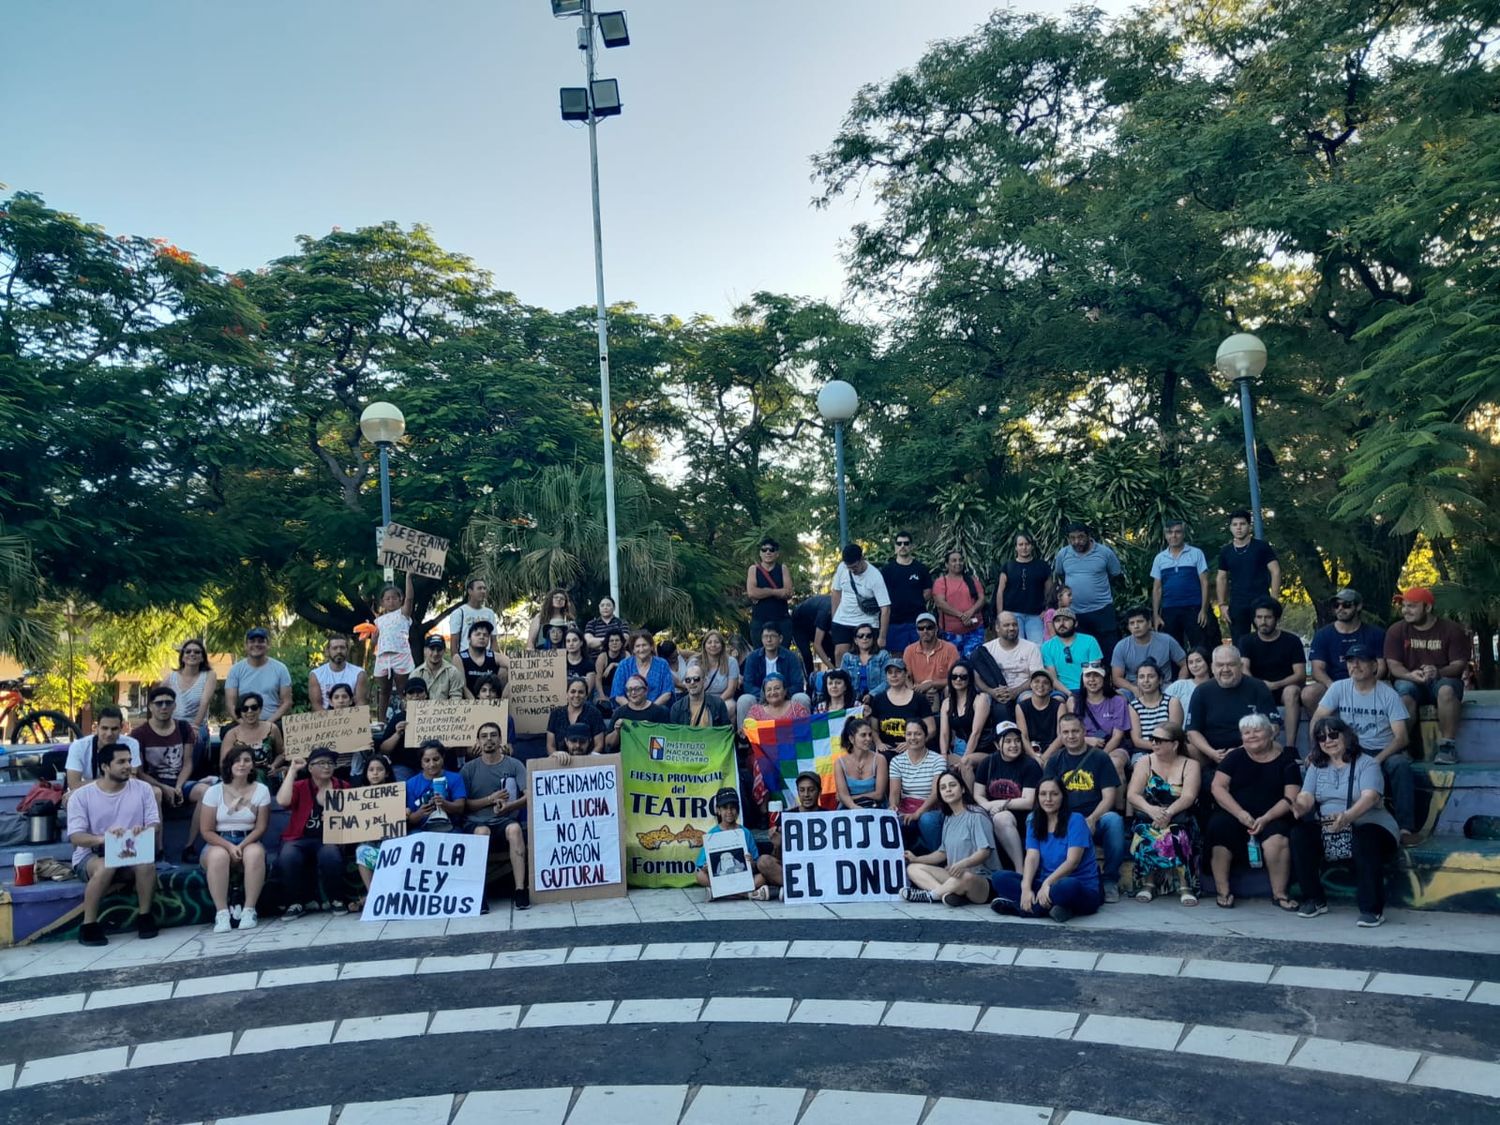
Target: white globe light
point(382, 422)
point(838, 401)
point(1242, 356)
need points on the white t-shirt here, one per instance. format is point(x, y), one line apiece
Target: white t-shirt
point(328, 679)
point(1018, 663)
point(871, 584)
point(81, 754)
point(464, 616)
point(238, 813)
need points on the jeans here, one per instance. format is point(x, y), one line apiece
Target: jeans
point(899, 635)
point(1426, 694)
point(1373, 848)
point(1109, 834)
point(1032, 628)
point(1401, 790)
point(966, 643)
point(1073, 895)
point(295, 865)
point(930, 829)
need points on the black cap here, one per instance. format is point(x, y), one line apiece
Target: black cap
point(576, 732)
point(434, 641)
point(257, 634)
point(726, 796)
point(1359, 652)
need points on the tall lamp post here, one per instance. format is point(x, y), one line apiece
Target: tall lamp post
point(383, 424)
point(1242, 358)
point(837, 403)
point(600, 98)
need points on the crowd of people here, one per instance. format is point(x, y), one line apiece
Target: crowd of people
point(1012, 730)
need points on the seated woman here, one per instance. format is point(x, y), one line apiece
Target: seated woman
point(434, 790)
point(1149, 709)
point(1166, 848)
point(775, 704)
point(576, 708)
point(726, 809)
point(577, 662)
point(1342, 793)
point(263, 740)
point(378, 771)
point(837, 692)
point(1037, 712)
point(1061, 875)
point(1004, 786)
point(606, 664)
point(1254, 788)
point(721, 671)
point(305, 862)
point(809, 792)
point(1105, 715)
point(860, 775)
point(557, 606)
point(233, 818)
point(865, 663)
point(637, 708)
point(964, 721)
point(914, 774)
point(958, 873)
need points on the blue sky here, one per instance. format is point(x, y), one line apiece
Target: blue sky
point(231, 128)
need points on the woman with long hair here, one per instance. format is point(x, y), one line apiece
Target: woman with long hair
point(262, 739)
point(606, 665)
point(861, 777)
point(963, 721)
point(577, 662)
point(1004, 786)
point(193, 680)
point(1150, 707)
point(865, 663)
point(1105, 715)
point(1196, 669)
point(837, 693)
point(959, 597)
point(1166, 847)
point(1060, 878)
point(958, 872)
point(233, 819)
point(1024, 587)
point(914, 774)
point(558, 604)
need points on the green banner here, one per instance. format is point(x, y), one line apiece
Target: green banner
point(671, 773)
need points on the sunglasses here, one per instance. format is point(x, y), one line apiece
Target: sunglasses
point(959, 679)
point(1330, 735)
point(250, 707)
point(1159, 738)
point(692, 679)
point(926, 628)
point(864, 636)
point(1068, 655)
point(903, 542)
point(768, 550)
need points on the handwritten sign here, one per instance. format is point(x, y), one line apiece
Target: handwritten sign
point(428, 875)
point(846, 856)
point(346, 731)
point(415, 552)
point(729, 869)
point(577, 845)
point(453, 721)
point(130, 847)
point(536, 686)
point(370, 812)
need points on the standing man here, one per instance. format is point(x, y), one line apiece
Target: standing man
point(1086, 566)
point(811, 621)
point(1331, 645)
point(930, 658)
point(336, 670)
point(495, 788)
point(1248, 571)
point(1143, 644)
point(1066, 652)
point(1015, 658)
point(859, 598)
point(444, 679)
point(1375, 714)
point(1216, 708)
point(1277, 659)
point(115, 803)
point(473, 609)
point(262, 674)
point(1179, 588)
point(109, 730)
point(1427, 655)
point(909, 583)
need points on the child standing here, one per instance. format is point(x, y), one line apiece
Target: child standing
point(1064, 601)
point(392, 644)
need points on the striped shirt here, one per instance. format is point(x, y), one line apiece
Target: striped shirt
point(1152, 717)
point(917, 779)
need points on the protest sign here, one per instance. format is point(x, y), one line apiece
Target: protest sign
point(671, 774)
point(428, 875)
point(415, 552)
point(729, 870)
point(130, 847)
point(537, 683)
point(845, 856)
point(370, 812)
point(453, 721)
point(577, 850)
point(346, 731)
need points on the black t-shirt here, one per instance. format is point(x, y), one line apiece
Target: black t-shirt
point(1083, 778)
point(1026, 586)
point(1041, 726)
point(890, 717)
point(406, 754)
point(905, 584)
point(1002, 781)
point(582, 670)
point(476, 671)
point(1272, 660)
point(1259, 785)
point(651, 713)
point(558, 721)
point(812, 614)
point(1215, 712)
point(1249, 571)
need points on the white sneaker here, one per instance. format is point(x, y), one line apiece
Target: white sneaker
point(221, 922)
point(235, 911)
point(248, 918)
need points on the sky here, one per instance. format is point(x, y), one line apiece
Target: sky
point(230, 129)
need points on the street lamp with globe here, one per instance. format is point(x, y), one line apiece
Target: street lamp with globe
point(1242, 358)
point(838, 402)
point(382, 423)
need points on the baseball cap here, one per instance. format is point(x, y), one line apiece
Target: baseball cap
point(726, 796)
point(1418, 594)
point(931, 620)
point(322, 752)
point(257, 634)
point(1351, 596)
point(576, 732)
point(435, 641)
point(895, 662)
point(1359, 652)
point(1004, 727)
point(1065, 612)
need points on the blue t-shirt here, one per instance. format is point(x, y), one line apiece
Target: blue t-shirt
point(1054, 851)
point(1329, 646)
point(1179, 577)
point(749, 846)
point(1088, 576)
point(1083, 650)
point(1161, 648)
point(420, 785)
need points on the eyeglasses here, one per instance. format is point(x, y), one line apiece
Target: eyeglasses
point(635, 687)
point(1330, 735)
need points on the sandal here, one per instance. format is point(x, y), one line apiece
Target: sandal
point(1189, 898)
point(765, 893)
point(357, 906)
point(1287, 904)
point(1225, 901)
point(1144, 895)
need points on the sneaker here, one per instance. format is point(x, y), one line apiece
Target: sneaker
point(146, 927)
point(1062, 913)
point(1312, 909)
point(221, 922)
point(293, 911)
point(1446, 753)
point(522, 899)
point(1370, 921)
point(953, 898)
point(92, 933)
point(1111, 892)
point(236, 911)
point(911, 894)
point(249, 919)
point(1004, 906)
point(484, 906)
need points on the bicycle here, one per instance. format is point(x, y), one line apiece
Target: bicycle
point(35, 728)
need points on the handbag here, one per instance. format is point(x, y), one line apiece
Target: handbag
point(867, 603)
point(1340, 845)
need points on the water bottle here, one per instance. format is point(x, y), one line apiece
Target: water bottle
point(1255, 860)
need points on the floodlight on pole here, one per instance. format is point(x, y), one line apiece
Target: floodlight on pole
point(612, 29)
point(1242, 357)
point(838, 402)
